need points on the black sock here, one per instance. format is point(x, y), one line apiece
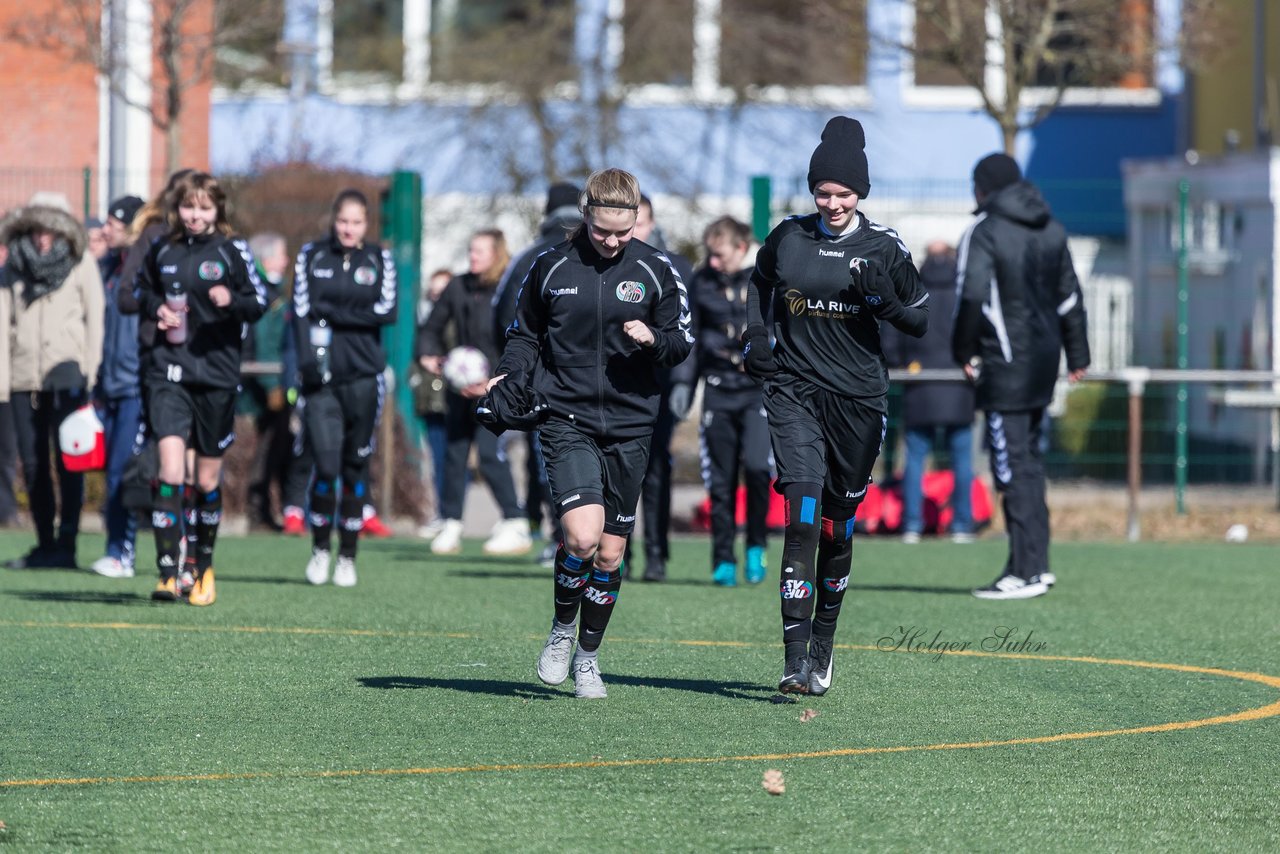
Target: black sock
point(190, 522)
point(165, 521)
point(571, 581)
point(350, 520)
point(800, 541)
point(323, 504)
point(835, 557)
point(207, 528)
point(598, 599)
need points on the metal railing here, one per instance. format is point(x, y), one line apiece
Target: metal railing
point(1260, 458)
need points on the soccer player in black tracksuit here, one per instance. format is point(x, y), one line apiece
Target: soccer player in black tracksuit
point(831, 278)
point(201, 281)
point(344, 292)
point(735, 430)
point(597, 317)
point(1019, 308)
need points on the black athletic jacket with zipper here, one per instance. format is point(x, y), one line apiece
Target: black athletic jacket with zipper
point(568, 334)
point(354, 292)
point(823, 325)
point(211, 354)
point(1020, 304)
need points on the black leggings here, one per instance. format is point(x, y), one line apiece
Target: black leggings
point(36, 417)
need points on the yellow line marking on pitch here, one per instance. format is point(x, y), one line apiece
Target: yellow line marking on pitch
point(1254, 714)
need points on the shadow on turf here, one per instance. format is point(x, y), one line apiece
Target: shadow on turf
point(91, 597)
point(529, 690)
point(910, 588)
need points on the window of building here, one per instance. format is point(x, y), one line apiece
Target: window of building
point(657, 42)
point(502, 41)
point(368, 38)
point(950, 42)
point(249, 34)
point(767, 43)
point(1101, 46)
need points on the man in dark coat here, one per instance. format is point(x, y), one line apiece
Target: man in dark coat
point(1020, 308)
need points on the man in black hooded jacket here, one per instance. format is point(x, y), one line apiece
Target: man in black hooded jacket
point(1020, 306)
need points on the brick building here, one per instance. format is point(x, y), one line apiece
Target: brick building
point(67, 129)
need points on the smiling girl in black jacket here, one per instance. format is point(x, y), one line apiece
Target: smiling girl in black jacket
point(597, 316)
point(202, 289)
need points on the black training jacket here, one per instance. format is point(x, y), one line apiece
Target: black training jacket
point(823, 329)
point(211, 354)
point(1020, 303)
point(354, 292)
point(718, 303)
point(568, 334)
point(469, 305)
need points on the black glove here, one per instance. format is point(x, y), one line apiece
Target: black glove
point(679, 400)
point(877, 289)
point(757, 353)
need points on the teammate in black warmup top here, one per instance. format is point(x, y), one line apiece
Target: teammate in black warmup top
point(831, 277)
point(200, 286)
point(735, 431)
point(597, 316)
point(344, 292)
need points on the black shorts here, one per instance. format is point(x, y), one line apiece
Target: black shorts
point(338, 422)
point(823, 438)
point(204, 418)
point(582, 470)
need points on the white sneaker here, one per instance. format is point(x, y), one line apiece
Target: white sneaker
point(431, 530)
point(587, 684)
point(449, 540)
point(911, 537)
point(510, 537)
point(557, 652)
point(963, 538)
point(344, 573)
point(1013, 587)
point(318, 567)
point(112, 567)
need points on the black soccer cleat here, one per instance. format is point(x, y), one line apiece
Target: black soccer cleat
point(795, 676)
point(821, 664)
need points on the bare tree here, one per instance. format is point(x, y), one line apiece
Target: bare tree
point(185, 36)
point(1007, 49)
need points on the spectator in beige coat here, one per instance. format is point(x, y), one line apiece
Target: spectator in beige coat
point(51, 317)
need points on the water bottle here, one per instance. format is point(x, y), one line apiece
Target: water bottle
point(321, 341)
point(176, 299)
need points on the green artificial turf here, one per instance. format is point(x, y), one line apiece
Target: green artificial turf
point(405, 713)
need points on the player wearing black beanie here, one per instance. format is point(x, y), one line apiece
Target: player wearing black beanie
point(829, 278)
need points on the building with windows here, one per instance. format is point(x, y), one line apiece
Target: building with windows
point(85, 100)
point(491, 99)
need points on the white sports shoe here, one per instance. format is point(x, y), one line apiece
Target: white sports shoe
point(112, 567)
point(449, 540)
point(318, 567)
point(431, 530)
point(510, 537)
point(557, 653)
point(344, 572)
point(587, 684)
point(1012, 587)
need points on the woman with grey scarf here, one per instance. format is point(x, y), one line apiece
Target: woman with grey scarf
point(51, 318)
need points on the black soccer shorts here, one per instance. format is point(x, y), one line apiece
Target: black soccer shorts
point(823, 438)
point(203, 417)
point(582, 470)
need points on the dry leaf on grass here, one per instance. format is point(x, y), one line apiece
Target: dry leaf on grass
point(807, 715)
point(773, 782)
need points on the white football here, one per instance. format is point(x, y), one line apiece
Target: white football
point(1238, 533)
point(465, 366)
